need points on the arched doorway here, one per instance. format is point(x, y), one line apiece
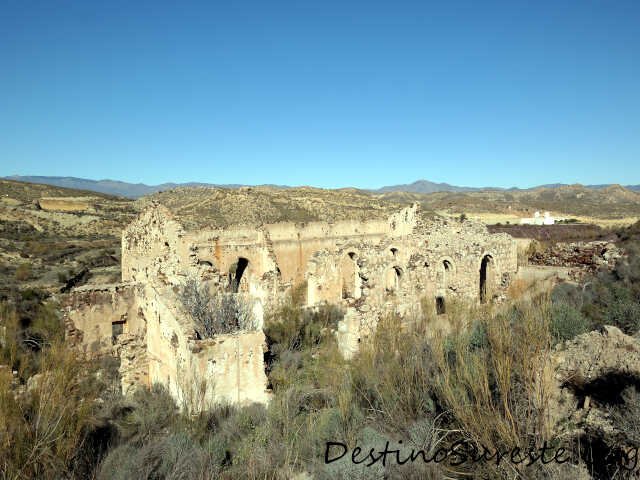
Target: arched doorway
point(236, 273)
point(486, 275)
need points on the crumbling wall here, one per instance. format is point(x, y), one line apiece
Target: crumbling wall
point(294, 244)
point(94, 315)
point(153, 249)
point(199, 373)
point(109, 320)
point(167, 336)
point(131, 349)
point(230, 368)
point(583, 258)
point(218, 253)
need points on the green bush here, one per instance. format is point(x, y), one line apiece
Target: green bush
point(295, 328)
point(567, 322)
point(612, 301)
point(478, 335)
point(608, 298)
point(625, 314)
point(171, 457)
point(27, 332)
point(23, 272)
point(149, 413)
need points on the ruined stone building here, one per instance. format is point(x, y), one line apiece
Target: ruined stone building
point(369, 268)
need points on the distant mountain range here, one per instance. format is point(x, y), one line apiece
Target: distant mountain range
point(136, 190)
point(425, 186)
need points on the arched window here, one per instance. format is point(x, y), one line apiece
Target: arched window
point(445, 274)
point(441, 308)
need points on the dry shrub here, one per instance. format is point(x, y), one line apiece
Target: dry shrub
point(392, 375)
point(216, 313)
point(517, 288)
point(43, 425)
point(495, 392)
point(23, 272)
point(9, 331)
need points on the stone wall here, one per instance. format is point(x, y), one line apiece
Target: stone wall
point(230, 368)
point(155, 245)
point(67, 204)
point(110, 320)
point(201, 372)
point(95, 315)
point(156, 342)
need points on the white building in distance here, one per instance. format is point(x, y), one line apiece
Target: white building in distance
point(538, 219)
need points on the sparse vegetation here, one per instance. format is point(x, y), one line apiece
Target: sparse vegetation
point(613, 202)
point(567, 322)
point(608, 298)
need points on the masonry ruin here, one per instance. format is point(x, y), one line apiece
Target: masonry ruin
point(370, 269)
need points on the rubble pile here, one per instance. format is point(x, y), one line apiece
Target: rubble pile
point(582, 258)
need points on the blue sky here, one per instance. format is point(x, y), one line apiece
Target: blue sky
point(331, 93)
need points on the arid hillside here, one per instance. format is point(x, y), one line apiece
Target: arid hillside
point(221, 207)
point(51, 237)
point(256, 205)
point(613, 202)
